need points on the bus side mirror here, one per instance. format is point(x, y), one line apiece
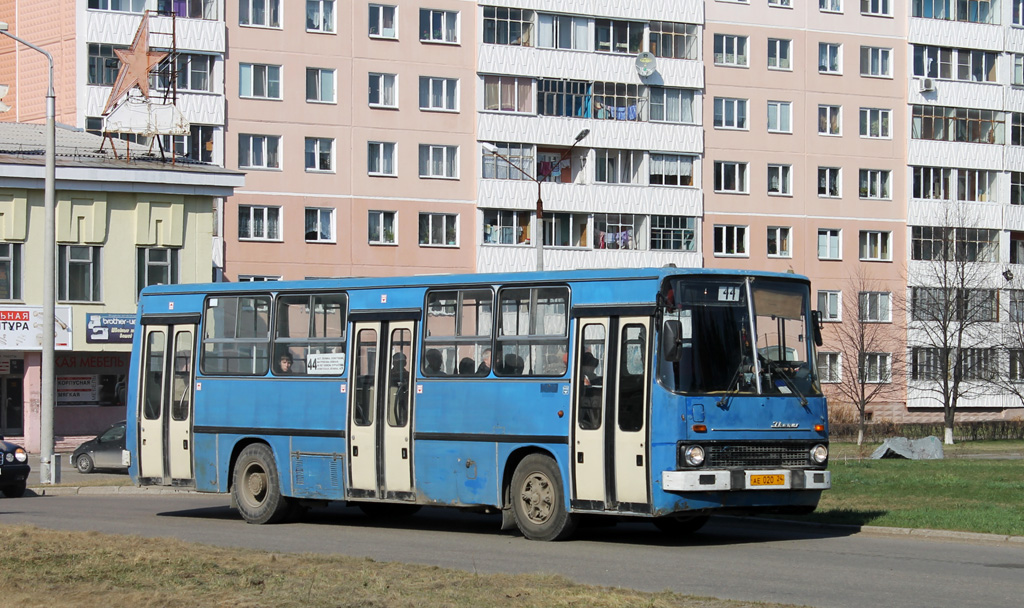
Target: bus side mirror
point(671, 343)
point(818, 324)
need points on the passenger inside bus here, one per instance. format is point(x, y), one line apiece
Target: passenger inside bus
point(434, 363)
point(398, 390)
point(284, 363)
point(485, 363)
point(467, 367)
point(588, 370)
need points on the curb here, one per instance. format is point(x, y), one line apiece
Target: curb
point(102, 490)
point(914, 532)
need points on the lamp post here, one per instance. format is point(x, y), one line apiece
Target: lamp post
point(47, 375)
point(538, 238)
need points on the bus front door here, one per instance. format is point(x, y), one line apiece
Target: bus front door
point(610, 414)
point(166, 394)
point(379, 421)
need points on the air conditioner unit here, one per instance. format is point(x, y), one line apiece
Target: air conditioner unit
point(925, 85)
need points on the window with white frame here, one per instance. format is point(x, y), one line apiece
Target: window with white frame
point(1016, 298)
point(506, 227)
point(730, 177)
point(380, 158)
point(673, 233)
point(830, 58)
point(383, 21)
point(257, 278)
point(875, 306)
point(155, 266)
point(829, 182)
point(319, 154)
point(1018, 67)
point(10, 271)
point(779, 242)
point(319, 225)
point(565, 229)
point(618, 36)
point(617, 166)
point(875, 246)
point(440, 229)
point(971, 65)
point(439, 161)
point(830, 120)
point(780, 180)
point(382, 227)
point(320, 85)
point(197, 145)
point(383, 90)
point(730, 241)
point(508, 26)
point(671, 105)
point(875, 123)
point(79, 273)
point(874, 184)
point(564, 32)
point(875, 368)
point(439, 26)
point(976, 185)
point(830, 304)
point(259, 81)
point(875, 61)
point(730, 113)
point(125, 6)
point(877, 8)
point(191, 72)
point(1016, 360)
point(674, 40)
point(619, 101)
point(830, 6)
point(671, 169)
point(933, 183)
point(829, 244)
point(320, 16)
point(508, 94)
point(258, 151)
point(780, 117)
point(828, 367)
point(780, 52)
point(781, 3)
point(730, 50)
point(518, 166)
point(1016, 188)
point(439, 93)
point(259, 13)
point(104, 64)
point(259, 223)
point(615, 230)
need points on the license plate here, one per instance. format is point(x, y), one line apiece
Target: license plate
point(767, 480)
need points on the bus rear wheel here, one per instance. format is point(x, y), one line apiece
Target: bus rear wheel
point(256, 487)
point(538, 500)
point(681, 525)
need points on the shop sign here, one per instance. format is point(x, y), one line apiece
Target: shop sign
point(77, 389)
point(21, 328)
point(103, 328)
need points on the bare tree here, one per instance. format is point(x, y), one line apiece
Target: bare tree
point(1012, 360)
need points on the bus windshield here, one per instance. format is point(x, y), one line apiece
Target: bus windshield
point(739, 335)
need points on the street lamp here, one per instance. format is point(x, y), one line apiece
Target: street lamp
point(47, 375)
point(538, 238)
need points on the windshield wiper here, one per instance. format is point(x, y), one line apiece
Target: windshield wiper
point(774, 369)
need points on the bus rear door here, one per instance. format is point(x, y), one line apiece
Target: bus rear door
point(166, 390)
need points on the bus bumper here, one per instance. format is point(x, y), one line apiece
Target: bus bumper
point(716, 481)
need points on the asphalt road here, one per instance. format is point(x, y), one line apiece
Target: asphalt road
point(731, 558)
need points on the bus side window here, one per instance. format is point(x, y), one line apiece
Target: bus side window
point(631, 378)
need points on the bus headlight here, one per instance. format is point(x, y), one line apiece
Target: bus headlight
point(819, 454)
point(693, 455)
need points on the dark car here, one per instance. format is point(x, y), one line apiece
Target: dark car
point(14, 469)
point(102, 451)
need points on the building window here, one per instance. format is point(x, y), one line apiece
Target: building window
point(671, 170)
point(830, 120)
point(971, 65)
point(828, 367)
point(730, 241)
point(616, 36)
point(779, 53)
point(673, 233)
point(191, 72)
point(571, 98)
point(1018, 67)
point(383, 90)
point(875, 368)
point(878, 8)
point(730, 113)
point(975, 185)
point(103, 64)
point(320, 16)
point(618, 101)
point(563, 32)
point(615, 230)
point(439, 26)
point(875, 123)
point(261, 13)
point(320, 85)
point(1016, 297)
point(933, 183)
point(876, 62)
point(780, 117)
point(382, 227)
point(126, 6)
point(10, 271)
point(875, 246)
point(258, 223)
point(830, 304)
point(505, 227)
point(439, 93)
point(1016, 188)
point(830, 6)
point(519, 165)
point(1016, 360)
point(258, 151)
point(439, 229)
point(967, 125)
point(671, 105)
point(439, 161)
point(79, 270)
point(319, 154)
point(380, 158)
point(946, 244)
point(778, 242)
point(508, 26)
point(197, 145)
point(730, 50)
point(875, 306)
point(972, 11)
point(257, 278)
point(508, 94)
point(1016, 247)
point(874, 183)
point(259, 81)
point(829, 182)
point(829, 244)
point(781, 3)
point(156, 266)
point(730, 177)
point(565, 229)
point(618, 166)
point(780, 180)
point(830, 59)
point(383, 21)
point(674, 40)
point(1017, 129)
point(319, 225)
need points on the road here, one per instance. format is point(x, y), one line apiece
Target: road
point(730, 558)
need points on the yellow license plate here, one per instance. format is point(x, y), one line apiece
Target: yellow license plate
point(767, 480)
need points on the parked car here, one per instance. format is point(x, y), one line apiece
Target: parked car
point(102, 451)
point(14, 469)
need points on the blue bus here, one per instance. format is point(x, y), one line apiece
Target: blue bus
point(663, 393)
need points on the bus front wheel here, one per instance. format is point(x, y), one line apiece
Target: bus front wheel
point(256, 486)
point(538, 500)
